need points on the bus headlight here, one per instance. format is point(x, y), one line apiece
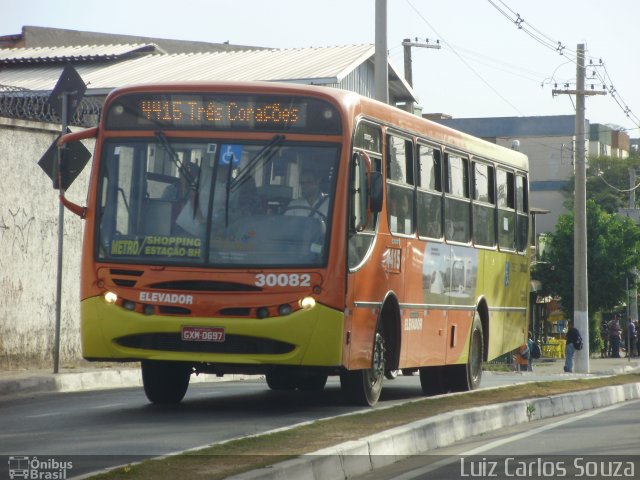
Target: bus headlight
point(307, 303)
point(110, 297)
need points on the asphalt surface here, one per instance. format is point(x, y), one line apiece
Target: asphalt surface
point(368, 451)
point(89, 377)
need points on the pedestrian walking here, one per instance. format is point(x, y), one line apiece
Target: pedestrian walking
point(630, 339)
point(614, 336)
point(534, 352)
point(573, 343)
point(604, 333)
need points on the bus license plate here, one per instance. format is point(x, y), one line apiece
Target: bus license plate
point(203, 334)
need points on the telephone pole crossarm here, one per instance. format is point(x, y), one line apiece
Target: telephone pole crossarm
point(586, 93)
point(409, 43)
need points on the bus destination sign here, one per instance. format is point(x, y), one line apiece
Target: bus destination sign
point(231, 112)
point(227, 112)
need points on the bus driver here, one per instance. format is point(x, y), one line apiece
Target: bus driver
point(312, 202)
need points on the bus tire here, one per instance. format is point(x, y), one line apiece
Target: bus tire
point(476, 353)
point(432, 380)
point(467, 377)
point(280, 380)
point(363, 387)
point(312, 383)
point(391, 374)
point(165, 382)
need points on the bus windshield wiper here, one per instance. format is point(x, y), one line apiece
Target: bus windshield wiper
point(164, 142)
point(244, 173)
point(194, 183)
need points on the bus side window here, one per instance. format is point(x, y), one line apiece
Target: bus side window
point(429, 196)
point(522, 208)
point(457, 214)
point(484, 210)
point(400, 181)
point(506, 209)
point(368, 137)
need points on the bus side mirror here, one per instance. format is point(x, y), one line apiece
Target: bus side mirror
point(366, 190)
point(376, 187)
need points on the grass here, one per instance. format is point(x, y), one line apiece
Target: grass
point(224, 459)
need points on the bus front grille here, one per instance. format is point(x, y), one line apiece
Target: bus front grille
point(172, 342)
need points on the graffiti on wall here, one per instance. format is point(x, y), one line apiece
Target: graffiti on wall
point(16, 230)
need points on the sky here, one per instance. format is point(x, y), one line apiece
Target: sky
point(486, 67)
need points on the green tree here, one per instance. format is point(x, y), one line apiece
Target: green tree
point(613, 251)
point(607, 182)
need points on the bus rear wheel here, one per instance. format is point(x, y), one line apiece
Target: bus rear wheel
point(468, 376)
point(165, 382)
point(363, 387)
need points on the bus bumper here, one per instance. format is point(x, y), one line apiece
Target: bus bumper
point(304, 338)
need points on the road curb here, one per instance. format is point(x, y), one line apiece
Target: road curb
point(83, 381)
point(361, 456)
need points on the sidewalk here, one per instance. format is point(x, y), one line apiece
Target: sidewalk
point(86, 377)
point(597, 366)
point(18, 383)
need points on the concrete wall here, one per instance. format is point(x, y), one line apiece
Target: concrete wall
point(29, 251)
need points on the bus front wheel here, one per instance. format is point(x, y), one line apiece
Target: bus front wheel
point(165, 382)
point(363, 387)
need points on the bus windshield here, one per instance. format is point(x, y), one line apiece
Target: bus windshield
point(213, 203)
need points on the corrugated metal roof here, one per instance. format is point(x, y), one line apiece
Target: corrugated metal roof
point(315, 65)
point(84, 53)
point(291, 64)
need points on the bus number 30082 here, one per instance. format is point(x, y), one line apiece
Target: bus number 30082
point(283, 280)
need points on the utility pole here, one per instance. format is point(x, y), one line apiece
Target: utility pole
point(633, 293)
point(580, 279)
point(407, 44)
point(632, 206)
point(381, 74)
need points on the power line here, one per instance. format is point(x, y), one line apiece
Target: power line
point(461, 58)
point(619, 190)
point(549, 43)
point(546, 41)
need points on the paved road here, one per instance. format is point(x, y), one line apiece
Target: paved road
point(121, 426)
point(574, 446)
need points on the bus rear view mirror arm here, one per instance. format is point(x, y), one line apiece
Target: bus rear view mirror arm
point(62, 141)
point(73, 207)
point(77, 136)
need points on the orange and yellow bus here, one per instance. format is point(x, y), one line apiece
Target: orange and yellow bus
point(298, 232)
